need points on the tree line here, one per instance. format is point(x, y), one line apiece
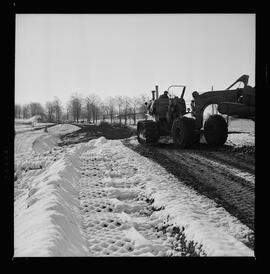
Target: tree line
point(89, 108)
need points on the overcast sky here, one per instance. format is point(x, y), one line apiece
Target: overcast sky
point(113, 54)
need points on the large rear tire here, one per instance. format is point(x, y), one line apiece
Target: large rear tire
point(183, 132)
point(147, 132)
point(215, 130)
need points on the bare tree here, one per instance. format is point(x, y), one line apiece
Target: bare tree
point(96, 102)
point(26, 111)
point(57, 108)
point(68, 110)
point(83, 114)
point(119, 101)
point(76, 106)
point(92, 107)
point(110, 103)
point(96, 112)
point(104, 111)
point(36, 109)
point(130, 114)
point(50, 111)
point(88, 110)
point(126, 107)
point(134, 103)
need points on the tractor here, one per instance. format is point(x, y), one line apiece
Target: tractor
point(170, 116)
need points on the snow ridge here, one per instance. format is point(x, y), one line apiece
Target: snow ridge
point(47, 218)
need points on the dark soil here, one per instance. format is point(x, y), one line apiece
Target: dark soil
point(89, 132)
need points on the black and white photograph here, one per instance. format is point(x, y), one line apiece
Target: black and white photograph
point(134, 135)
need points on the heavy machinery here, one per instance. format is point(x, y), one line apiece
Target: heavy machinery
point(170, 117)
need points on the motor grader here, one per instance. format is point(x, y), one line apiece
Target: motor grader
point(170, 117)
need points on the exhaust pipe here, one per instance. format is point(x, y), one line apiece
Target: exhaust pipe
point(153, 95)
point(156, 91)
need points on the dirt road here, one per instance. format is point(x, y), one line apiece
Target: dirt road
point(223, 175)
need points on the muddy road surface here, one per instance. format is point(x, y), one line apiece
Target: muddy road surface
point(224, 174)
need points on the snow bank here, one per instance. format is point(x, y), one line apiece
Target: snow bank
point(47, 217)
point(62, 129)
point(45, 142)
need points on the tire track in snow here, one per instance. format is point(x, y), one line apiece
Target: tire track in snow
point(117, 219)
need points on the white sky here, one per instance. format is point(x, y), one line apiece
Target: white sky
point(113, 54)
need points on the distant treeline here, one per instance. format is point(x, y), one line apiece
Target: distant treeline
point(86, 108)
point(91, 109)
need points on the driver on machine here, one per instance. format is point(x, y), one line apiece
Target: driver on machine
point(164, 95)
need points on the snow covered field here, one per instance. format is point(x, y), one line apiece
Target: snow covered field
point(102, 199)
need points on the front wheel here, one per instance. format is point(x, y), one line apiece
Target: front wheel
point(147, 132)
point(215, 130)
point(183, 132)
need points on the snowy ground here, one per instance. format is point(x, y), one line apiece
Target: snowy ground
point(39, 140)
point(102, 199)
point(241, 139)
